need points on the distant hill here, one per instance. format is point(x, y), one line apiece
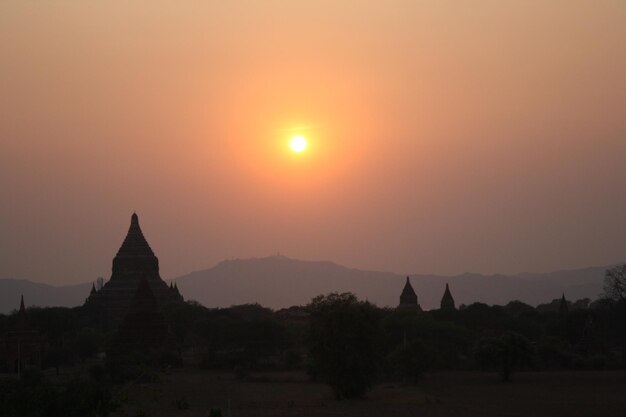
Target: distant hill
point(278, 282)
point(37, 294)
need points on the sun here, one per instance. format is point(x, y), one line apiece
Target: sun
point(298, 143)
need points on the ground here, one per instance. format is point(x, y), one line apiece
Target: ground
point(465, 394)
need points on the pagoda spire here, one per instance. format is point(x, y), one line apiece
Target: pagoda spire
point(563, 307)
point(408, 297)
point(22, 321)
point(135, 244)
point(408, 289)
point(447, 302)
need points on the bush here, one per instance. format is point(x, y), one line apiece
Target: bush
point(345, 341)
point(408, 362)
point(293, 359)
point(555, 353)
point(506, 353)
point(34, 396)
point(181, 404)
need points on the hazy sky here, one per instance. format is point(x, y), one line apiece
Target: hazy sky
point(444, 136)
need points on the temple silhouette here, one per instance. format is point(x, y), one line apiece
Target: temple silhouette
point(22, 346)
point(447, 302)
point(563, 307)
point(143, 328)
point(408, 297)
point(135, 262)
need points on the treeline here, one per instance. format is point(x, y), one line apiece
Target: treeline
point(351, 344)
point(588, 335)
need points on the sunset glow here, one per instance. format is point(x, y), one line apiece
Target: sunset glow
point(437, 137)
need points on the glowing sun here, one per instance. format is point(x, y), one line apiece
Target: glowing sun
point(298, 143)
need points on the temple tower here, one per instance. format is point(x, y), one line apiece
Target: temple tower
point(134, 262)
point(22, 346)
point(447, 302)
point(408, 298)
point(563, 307)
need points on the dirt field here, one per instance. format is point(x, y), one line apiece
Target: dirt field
point(463, 394)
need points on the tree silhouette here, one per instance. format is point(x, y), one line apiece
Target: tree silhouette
point(506, 353)
point(615, 283)
point(408, 361)
point(344, 343)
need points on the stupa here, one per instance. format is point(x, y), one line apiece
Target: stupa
point(447, 302)
point(22, 346)
point(408, 297)
point(135, 261)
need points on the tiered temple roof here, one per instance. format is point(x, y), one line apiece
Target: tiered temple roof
point(135, 261)
point(143, 328)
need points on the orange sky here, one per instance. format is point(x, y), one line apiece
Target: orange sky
point(445, 137)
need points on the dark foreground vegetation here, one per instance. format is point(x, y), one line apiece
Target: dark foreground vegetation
point(439, 394)
point(345, 344)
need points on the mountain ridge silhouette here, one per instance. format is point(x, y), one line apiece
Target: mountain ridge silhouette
point(279, 281)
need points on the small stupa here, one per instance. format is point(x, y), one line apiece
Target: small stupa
point(22, 346)
point(447, 302)
point(563, 307)
point(408, 297)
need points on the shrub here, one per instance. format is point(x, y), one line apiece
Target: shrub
point(409, 361)
point(506, 353)
point(344, 343)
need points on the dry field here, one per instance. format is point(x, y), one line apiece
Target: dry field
point(450, 394)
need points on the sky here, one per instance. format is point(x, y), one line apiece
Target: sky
point(443, 136)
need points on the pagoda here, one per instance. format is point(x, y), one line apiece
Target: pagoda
point(563, 307)
point(447, 302)
point(408, 298)
point(21, 346)
point(135, 261)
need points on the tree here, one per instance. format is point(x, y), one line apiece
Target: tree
point(615, 283)
point(505, 353)
point(409, 361)
point(345, 343)
point(517, 308)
